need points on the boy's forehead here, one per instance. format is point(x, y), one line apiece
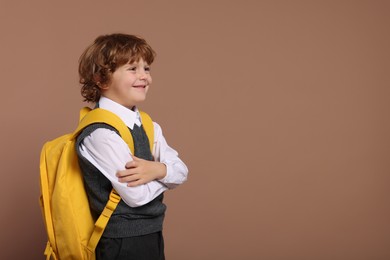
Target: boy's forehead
point(136, 60)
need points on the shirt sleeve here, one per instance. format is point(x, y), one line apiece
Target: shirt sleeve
point(177, 171)
point(107, 151)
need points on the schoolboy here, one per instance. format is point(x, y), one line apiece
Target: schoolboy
point(115, 74)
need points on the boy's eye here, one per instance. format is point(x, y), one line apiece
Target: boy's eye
point(147, 68)
point(133, 68)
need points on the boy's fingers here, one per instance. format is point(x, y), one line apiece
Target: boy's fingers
point(129, 178)
point(130, 164)
point(125, 173)
point(136, 159)
point(134, 183)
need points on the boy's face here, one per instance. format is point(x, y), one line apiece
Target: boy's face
point(129, 84)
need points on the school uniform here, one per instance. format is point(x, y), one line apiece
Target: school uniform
point(135, 228)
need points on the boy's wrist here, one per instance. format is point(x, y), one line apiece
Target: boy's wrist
point(162, 172)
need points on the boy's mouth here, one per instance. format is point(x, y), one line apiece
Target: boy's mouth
point(139, 86)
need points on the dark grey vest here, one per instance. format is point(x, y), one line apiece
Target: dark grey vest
point(125, 221)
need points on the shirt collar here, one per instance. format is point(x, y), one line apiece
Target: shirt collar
point(128, 116)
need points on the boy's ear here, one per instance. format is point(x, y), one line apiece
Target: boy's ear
point(102, 86)
point(97, 79)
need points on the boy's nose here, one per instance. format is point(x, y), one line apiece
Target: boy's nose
point(142, 75)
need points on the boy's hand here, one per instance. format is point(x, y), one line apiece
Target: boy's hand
point(140, 171)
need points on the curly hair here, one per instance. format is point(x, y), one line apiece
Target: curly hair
point(104, 56)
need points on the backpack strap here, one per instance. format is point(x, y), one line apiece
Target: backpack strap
point(98, 115)
point(103, 219)
point(83, 112)
point(148, 126)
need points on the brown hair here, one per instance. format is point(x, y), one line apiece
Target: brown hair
point(104, 56)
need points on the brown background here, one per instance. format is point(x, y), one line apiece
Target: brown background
point(279, 108)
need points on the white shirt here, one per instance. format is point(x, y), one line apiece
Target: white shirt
point(109, 153)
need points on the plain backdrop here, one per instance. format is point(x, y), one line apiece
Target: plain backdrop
point(279, 108)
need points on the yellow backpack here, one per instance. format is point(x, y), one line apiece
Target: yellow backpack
point(71, 230)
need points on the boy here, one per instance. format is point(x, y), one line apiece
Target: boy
point(115, 74)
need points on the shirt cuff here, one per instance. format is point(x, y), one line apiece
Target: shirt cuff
point(166, 180)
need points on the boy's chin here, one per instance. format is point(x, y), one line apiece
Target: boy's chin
point(138, 101)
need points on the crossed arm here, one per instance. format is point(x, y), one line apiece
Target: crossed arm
point(140, 171)
point(136, 180)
